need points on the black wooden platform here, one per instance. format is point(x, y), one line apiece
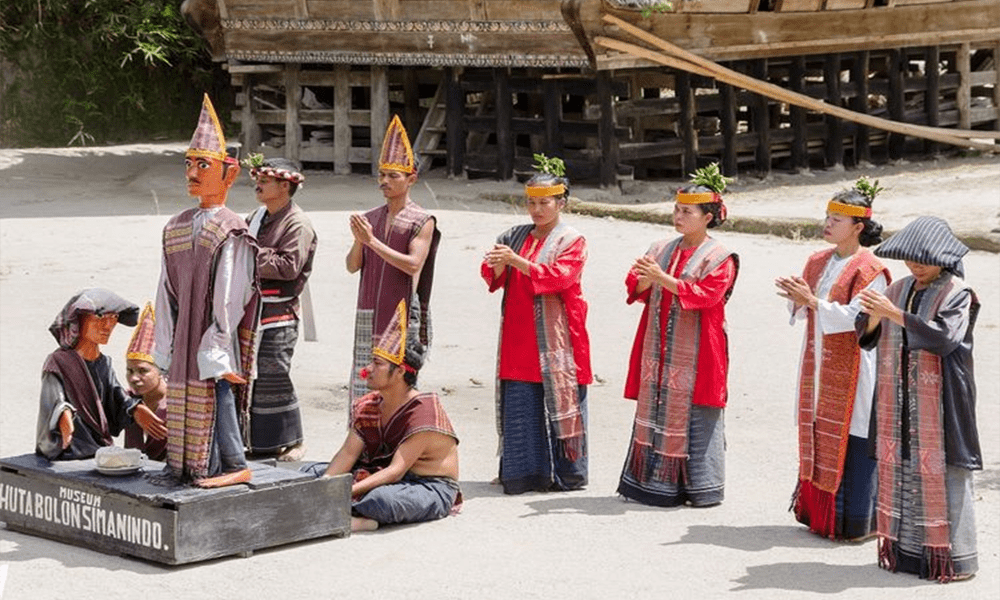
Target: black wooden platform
point(140, 515)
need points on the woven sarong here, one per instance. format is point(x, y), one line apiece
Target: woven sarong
point(920, 384)
point(275, 418)
point(561, 400)
point(705, 469)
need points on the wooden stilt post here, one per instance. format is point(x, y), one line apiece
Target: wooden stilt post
point(834, 126)
point(606, 131)
point(341, 120)
point(963, 97)
point(761, 120)
point(932, 94)
point(504, 128)
point(553, 117)
point(379, 117)
point(455, 121)
point(996, 85)
point(412, 118)
point(797, 114)
point(859, 76)
point(685, 126)
point(897, 62)
point(727, 123)
point(251, 130)
point(293, 99)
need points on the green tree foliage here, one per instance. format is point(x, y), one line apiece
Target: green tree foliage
point(98, 71)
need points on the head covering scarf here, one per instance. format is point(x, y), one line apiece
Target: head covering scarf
point(397, 154)
point(927, 241)
point(97, 301)
point(141, 345)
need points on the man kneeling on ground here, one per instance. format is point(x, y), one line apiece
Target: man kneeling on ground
point(401, 447)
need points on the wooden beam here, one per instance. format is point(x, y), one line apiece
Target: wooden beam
point(761, 120)
point(380, 112)
point(251, 130)
point(727, 124)
point(963, 96)
point(996, 79)
point(606, 131)
point(455, 121)
point(859, 77)
point(797, 114)
point(932, 95)
point(553, 116)
point(293, 100)
point(834, 126)
point(341, 120)
point(685, 125)
point(896, 101)
point(504, 132)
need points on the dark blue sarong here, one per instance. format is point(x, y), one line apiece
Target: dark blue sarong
point(531, 459)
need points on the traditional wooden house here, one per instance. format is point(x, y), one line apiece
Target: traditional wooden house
point(483, 84)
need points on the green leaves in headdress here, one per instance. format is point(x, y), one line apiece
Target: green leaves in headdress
point(553, 166)
point(711, 177)
point(868, 189)
point(253, 161)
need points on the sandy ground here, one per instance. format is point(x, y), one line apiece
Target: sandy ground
point(71, 219)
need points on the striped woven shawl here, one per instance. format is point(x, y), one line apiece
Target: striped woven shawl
point(555, 348)
point(669, 369)
point(923, 383)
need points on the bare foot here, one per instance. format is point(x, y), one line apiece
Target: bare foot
point(243, 476)
point(359, 524)
point(293, 453)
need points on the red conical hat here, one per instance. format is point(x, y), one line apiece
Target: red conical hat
point(208, 140)
point(397, 154)
point(141, 346)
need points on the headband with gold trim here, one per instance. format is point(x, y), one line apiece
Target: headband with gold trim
point(863, 212)
point(698, 197)
point(534, 191)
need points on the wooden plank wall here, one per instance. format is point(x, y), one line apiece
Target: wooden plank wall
point(657, 122)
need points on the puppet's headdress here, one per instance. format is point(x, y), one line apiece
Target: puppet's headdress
point(208, 140)
point(397, 154)
point(141, 345)
point(399, 343)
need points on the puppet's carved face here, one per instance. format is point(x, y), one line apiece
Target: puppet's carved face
point(97, 329)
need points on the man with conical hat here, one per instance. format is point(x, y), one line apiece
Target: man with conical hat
point(401, 448)
point(146, 383)
point(394, 249)
point(287, 244)
point(206, 316)
point(82, 405)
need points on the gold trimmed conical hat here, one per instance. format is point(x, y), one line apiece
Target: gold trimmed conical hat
point(208, 140)
point(397, 154)
point(141, 345)
point(392, 345)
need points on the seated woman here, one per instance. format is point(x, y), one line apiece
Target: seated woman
point(148, 384)
point(82, 405)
